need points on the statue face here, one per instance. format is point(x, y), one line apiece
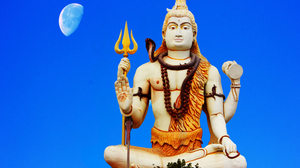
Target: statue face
point(179, 34)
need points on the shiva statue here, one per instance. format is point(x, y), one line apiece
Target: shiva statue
point(181, 83)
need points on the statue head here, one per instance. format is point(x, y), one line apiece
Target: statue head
point(179, 34)
point(180, 10)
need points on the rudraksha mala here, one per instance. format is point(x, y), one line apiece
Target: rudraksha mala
point(191, 67)
point(175, 113)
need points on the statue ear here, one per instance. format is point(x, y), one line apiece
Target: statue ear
point(194, 35)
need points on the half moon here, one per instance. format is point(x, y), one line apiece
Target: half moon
point(70, 17)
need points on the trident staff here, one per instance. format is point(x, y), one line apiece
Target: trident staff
point(126, 121)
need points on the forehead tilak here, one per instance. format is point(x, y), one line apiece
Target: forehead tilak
point(179, 20)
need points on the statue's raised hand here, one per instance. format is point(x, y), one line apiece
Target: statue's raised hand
point(123, 91)
point(233, 70)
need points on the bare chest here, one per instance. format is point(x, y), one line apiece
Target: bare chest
point(176, 77)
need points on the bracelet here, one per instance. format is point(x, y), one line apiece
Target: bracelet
point(127, 114)
point(232, 157)
point(220, 140)
point(235, 85)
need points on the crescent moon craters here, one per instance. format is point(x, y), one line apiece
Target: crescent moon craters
point(70, 17)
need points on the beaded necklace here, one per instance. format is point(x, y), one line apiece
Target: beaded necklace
point(191, 67)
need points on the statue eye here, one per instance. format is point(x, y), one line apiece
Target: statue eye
point(172, 27)
point(186, 27)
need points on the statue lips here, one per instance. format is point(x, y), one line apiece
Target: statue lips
point(178, 40)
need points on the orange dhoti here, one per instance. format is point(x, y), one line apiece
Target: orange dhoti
point(174, 143)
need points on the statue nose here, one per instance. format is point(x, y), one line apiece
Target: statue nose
point(178, 33)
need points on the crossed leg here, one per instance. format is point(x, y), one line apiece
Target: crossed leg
point(209, 157)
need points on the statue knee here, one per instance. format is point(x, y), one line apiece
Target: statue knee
point(240, 162)
point(114, 153)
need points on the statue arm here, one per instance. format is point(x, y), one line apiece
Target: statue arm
point(234, 72)
point(140, 103)
point(130, 105)
point(215, 110)
point(230, 105)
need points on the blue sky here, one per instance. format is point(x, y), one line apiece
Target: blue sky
point(57, 102)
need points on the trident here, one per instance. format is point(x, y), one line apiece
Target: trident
point(126, 43)
point(125, 51)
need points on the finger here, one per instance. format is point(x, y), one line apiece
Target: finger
point(122, 76)
point(130, 91)
point(125, 64)
point(234, 148)
point(123, 83)
point(231, 149)
point(227, 149)
point(125, 59)
point(124, 88)
point(225, 67)
point(120, 71)
point(127, 83)
point(226, 63)
point(229, 64)
point(119, 85)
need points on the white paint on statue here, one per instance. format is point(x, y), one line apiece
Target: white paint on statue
point(164, 86)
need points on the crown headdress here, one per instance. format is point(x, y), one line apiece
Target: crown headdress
point(179, 5)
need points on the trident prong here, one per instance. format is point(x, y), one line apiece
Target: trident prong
point(126, 43)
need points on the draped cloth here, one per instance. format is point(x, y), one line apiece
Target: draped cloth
point(174, 143)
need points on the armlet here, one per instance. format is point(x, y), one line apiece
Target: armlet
point(214, 93)
point(139, 93)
